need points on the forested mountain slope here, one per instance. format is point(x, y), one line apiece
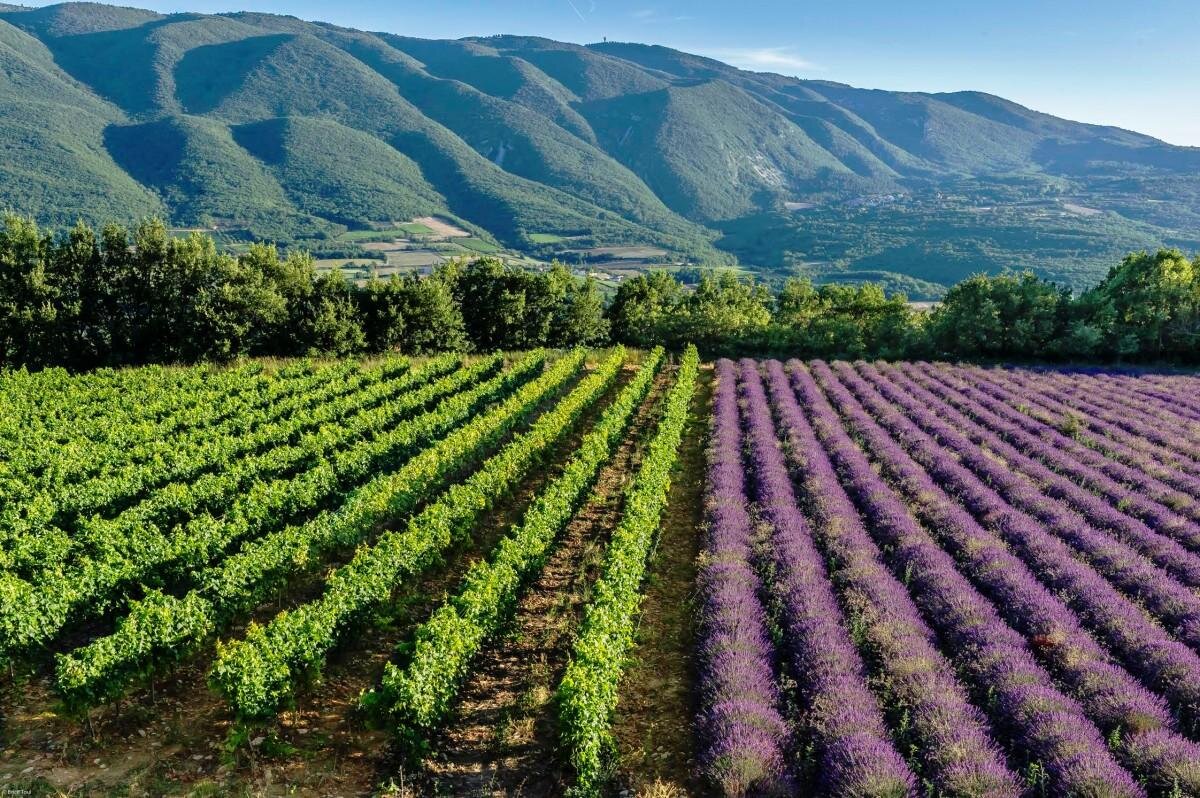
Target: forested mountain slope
point(268, 126)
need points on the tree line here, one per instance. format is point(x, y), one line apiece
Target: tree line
point(115, 296)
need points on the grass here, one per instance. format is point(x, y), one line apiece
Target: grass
point(478, 245)
point(387, 234)
point(414, 258)
point(416, 229)
point(546, 238)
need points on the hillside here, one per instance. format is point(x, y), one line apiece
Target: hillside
point(266, 126)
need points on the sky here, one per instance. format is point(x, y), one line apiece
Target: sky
point(1131, 64)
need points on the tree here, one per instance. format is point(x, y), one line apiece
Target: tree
point(1149, 306)
point(723, 312)
point(28, 295)
point(644, 309)
point(233, 311)
point(433, 320)
point(579, 318)
point(798, 303)
point(1007, 316)
point(328, 319)
point(546, 293)
point(381, 308)
point(493, 298)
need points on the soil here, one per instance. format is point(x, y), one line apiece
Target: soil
point(441, 227)
point(503, 739)
point(656, 712)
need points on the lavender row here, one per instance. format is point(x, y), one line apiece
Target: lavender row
point(1185, 389)
point(1160, 439)
point(1118, 394)
point(1047, 728)
point(1103, 436)
point(1159, 444)
point(1110, 480)
point(1030, 455)
point(1124, 390)
point(854, 751)
point(1165, 664)
point(953, 738)
point(1163, 597)
point(1163, 435)
point(1124, 464)
point(743, 734)
point(1109, 696)
point(1179, 402)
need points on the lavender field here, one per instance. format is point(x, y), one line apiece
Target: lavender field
point(920, 579)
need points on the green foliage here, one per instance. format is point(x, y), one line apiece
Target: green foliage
point(259, 673)
point(1149, 306)
point(579, 316)
point(84, 299)
point(922, 242)
point(654, 308)
point(434, 321)
point(512, 307)
point(644, 307)
point(103, 669)
point(722, 307)
point(587, 694)
point(417, 697)
point(1010, 316)
point(297, 463)
point(844, 321)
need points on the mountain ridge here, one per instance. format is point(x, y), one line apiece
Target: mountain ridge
point(526, 140)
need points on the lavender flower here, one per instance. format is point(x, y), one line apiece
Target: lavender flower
point(744, 737)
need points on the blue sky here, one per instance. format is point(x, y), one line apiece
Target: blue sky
point(1133, 64)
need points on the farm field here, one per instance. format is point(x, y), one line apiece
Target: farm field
point(930, 580)
point(277, 578)
point(604, 572)
point(411, 248)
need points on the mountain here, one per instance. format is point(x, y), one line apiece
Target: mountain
point(258, 125)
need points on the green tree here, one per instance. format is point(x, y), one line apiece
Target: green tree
point(493, 299)
point(28, 295)
point(644, 309)
point(381, 308)
point(1149, 306)
point(798, 303)
point(327, 319)
point(433, 320)
point(1007, 316)
point(579, 318)
point(724, 313)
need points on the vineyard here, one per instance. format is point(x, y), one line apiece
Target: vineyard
point(200, 564)
point(600, 572)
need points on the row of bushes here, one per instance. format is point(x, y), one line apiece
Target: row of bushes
point(1147, 309)
point(115, 297)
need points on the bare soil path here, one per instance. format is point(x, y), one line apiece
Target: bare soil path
point(503, 739)
point(656, 714)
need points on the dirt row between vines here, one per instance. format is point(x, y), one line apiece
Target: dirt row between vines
point(503, 739)
point(655, 718)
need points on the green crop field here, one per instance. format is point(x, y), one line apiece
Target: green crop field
point(377, 523)
point(589, 572)
point(477, 245)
